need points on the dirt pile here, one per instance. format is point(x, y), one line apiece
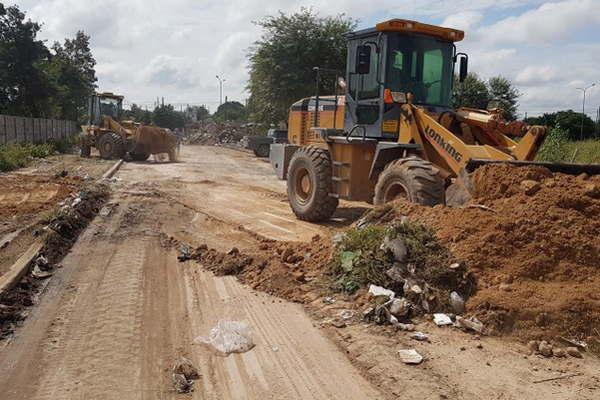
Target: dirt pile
point(213, 133)
point(61, 231)
point(27, 194)
point(534, 248)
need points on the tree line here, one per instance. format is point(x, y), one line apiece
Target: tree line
point(41, 81)
point(281, 72)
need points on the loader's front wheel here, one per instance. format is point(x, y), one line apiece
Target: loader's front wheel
point(411, 178)
point(111, 146)
point(309, 184)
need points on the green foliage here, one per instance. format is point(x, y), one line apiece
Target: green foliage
point(200, 113)
point(472, 92)
point(557, 147)
point(138, 114)
point(165, 116)
point(13, 156)
point(230, 111)
point(282, 60)
point(569, 121)
point(358, 260)
point(554, 146)
point(498, 92)
point(505, 95)
point(37, 82)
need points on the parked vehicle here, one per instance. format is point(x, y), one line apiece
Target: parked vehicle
point(260, 145)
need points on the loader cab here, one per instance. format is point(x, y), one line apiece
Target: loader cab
point(397, 57)
point(105, 104)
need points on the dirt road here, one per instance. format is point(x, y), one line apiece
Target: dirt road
point(112, 321)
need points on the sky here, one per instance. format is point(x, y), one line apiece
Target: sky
point(175, 48)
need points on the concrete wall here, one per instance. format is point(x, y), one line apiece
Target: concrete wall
point(34, 130)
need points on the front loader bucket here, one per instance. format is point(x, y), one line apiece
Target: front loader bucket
point(565, 168)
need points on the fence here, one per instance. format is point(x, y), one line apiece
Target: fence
point(34, 130)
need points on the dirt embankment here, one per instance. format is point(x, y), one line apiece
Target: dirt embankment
point(534, 249)
point(529, 238)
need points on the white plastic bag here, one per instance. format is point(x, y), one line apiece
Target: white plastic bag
point(228, 337)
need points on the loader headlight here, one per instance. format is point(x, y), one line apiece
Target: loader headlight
point(399, 97)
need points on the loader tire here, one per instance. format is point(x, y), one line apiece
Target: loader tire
point(411, 178)
point(139, 156)
point(309, 184)
point(262, 151)
point(111, 146)
point(86, 150)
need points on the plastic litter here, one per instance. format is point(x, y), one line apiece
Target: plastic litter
point(228, 337)
point(380, 291)
point(410, 356)
point(441, 319)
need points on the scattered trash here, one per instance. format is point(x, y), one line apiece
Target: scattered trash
point(469, 324)
point(410, 356)
point(275, 349)
point(346, 314)
point(185, 367)
point(181, 384)
point(400, 307)
point(380, 291)
point(441, 319)
point(184, 253)
point(338, 323)
point(545, 349)
point(575, 343)
point(397, 247)
point(420, 336)
point(368, 313)
point(457, 303)
point(106, 210)
point(404, 327)
point(328, 300)
point(228, 337)
point(337, 239)
point(38, 273)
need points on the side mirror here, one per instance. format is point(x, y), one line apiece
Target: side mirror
point(363, 60)
point(463, 68)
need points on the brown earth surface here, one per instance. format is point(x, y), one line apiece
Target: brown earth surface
point(536, 256)
point(113, 320)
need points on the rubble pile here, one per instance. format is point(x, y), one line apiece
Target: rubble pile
point(532, 246)
point(213, 133)
point(62, 229)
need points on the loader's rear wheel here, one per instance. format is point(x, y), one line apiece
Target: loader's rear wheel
point(411, 178)
point(309, 184)
point(262, 150)
point(139, 156)
point(111, 146)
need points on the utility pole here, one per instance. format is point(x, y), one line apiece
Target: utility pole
point(221, 81)
point(584, 90)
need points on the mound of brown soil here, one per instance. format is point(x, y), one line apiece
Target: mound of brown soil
point(534, 248)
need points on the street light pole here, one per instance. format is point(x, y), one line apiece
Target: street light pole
point(584, 90)
point(220, 89)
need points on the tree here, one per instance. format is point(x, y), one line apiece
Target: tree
point(282, 60)
point(567, 120)
point(73, 67)
point(497, 92)
point(198, 113)
point(230, 111)
point(138, 114)
point(25, 88)
point(472, 92)
point(165, 116)
point(505, 94)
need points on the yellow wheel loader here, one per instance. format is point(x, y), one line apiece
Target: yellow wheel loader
point(123, 139)
point(393, 133)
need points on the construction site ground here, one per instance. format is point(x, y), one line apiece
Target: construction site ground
point(112, 321)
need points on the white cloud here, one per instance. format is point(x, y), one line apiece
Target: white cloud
point(533, 75)
point(464, 20)
point(154, 48)
point(548, 23)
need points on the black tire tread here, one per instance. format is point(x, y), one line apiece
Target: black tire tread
point(324, 205)
point(423, 179)
point(119, 145)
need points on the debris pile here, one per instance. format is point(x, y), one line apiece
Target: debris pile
point(532, 246)
point(184, 375)
point(213, 133)
point(61, 231)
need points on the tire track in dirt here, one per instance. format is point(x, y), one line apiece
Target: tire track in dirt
point(102, 358)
